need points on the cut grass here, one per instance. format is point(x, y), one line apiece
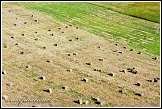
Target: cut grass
point(97, 19)
point(145, 10)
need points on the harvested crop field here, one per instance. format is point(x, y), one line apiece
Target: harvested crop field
point(69, 66)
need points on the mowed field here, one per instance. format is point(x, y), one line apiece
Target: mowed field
point(99, 55)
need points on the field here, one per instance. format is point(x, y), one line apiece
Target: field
point(91, 50)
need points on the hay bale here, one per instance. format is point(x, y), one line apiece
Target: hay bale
point(22, 34)
point(48, 61)
point(111, 74)
point(25, 22)
point(32, 15)
point(116, 44)
point(49, 90)
point(149, 80)
point(88, 63)
point(42, 77)
point(98, 47)
point(59, 28)
point(124, 71)
point(51, 34)
point(131, 49)
point(70, 39)
point(139, 52)
point(21, 52)
point(12, 37)
point(36, 32)
point(65, 87)
point(4, 97)
point(43, 47)
point(77, 38)
point(70, 25)
point(36, 20)
point(120, 52)
point(74, 53)
point(120, 91)
point(49, 30)
point(137, 84)
point(66, 26)
point(155, 80)
point(99, 102)
point(100, 59)
point(62, 32)
point(69, 70)
point(14, 24)
point(4, 72)
point(138, 94)
point(115, 50)
point(9, 84)
point(95, 99)
point(77, 27)
point(16, 44)
point(68, 54)
point(36, 39)
point(154, 58)
point(125, 47)
point(55, 44)
point(134, 71)
point(85, 79)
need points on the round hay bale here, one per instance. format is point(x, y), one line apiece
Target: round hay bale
point(36, 20)
point(77, 27)
point(139, 52)
point(134, 71)
point(4, 97)
point(21, 52)
point(70, 39)
point(22, 34)
point(65, 87)
point(48, 61)
point(42, 77)
point(25, 22)
point(111, 74)
point(4, 72)
point(137, 84)
point(77, 38)
point(66, 26)
point(9, 84)
point(32, 15)
point(36, 39)
point(55, 44)
point(120, 91)
point(16, 44)
point(68, 54)
point(59, 28)
point(36, 32)
point(85, 79)
point(12, 37)
point(74, 53)
point(70, 25)
point(154, 58)
point(125, 47)
point(116, 44)
point(43, 47)
point(49, 90)
point(51, 34)
point(14, 24)
point(62, 32)
point(49, 30)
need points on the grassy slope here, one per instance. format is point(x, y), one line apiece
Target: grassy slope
point(141, 34)
point(145, 10)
